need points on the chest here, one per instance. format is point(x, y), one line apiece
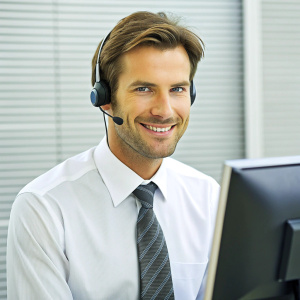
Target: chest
point(100, 245)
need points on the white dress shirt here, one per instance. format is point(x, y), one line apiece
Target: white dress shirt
point(72, 231)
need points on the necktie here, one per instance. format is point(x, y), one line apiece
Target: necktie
point(155, 272)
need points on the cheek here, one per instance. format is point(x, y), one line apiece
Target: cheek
point(184, 110)
point(136, 109)
point(127, 105)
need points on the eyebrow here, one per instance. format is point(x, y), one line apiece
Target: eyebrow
point(183, 83)
point(138, 83)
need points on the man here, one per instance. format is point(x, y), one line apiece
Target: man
point(74, 231)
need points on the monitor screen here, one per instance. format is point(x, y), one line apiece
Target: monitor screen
point(256, 246)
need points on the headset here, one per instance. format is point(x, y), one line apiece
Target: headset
point(100, 94)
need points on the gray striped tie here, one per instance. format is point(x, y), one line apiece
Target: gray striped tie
point(155, 272)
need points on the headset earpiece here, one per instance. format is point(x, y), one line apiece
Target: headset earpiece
point(100, 94)
point(192, 92)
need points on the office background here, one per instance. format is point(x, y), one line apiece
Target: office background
point(248, 85)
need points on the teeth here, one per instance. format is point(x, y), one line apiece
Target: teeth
point(158, 129)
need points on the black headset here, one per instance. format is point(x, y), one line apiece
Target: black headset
point(100, 94)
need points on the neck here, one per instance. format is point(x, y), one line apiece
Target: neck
point(142, 166)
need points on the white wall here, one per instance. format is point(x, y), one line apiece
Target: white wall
point(272, 77)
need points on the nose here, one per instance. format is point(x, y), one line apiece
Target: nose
point(162, 106)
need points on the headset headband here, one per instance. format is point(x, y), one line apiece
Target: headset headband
point(98, 58)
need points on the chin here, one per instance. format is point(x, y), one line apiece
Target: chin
point(159, 154)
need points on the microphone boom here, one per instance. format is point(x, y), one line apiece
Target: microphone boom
point(117, 120)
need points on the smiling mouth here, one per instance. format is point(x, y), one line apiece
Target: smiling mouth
point(158, 129)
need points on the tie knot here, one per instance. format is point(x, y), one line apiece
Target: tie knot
point(145, 194)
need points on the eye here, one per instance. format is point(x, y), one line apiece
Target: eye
point(177, 89)
point(142, 89)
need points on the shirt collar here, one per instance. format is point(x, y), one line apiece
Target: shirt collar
point(120, 180)
point(160, 178)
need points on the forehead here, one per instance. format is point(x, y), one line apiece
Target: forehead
point(144, 61)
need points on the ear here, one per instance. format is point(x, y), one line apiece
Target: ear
point(106, 106)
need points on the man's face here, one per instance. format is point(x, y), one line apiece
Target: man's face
point(153, 99)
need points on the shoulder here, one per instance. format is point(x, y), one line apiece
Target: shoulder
point(42, 200)
point(69, 170)
point(197, 185)
point(194, 190)
point(187, 173)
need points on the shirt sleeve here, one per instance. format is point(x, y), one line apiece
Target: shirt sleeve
point(37, 267)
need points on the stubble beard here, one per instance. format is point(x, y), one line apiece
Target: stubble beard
point(134, 144)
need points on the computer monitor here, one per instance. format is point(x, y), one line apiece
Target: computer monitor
point(256, 246)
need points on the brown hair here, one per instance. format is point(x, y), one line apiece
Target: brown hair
point(145, 29)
